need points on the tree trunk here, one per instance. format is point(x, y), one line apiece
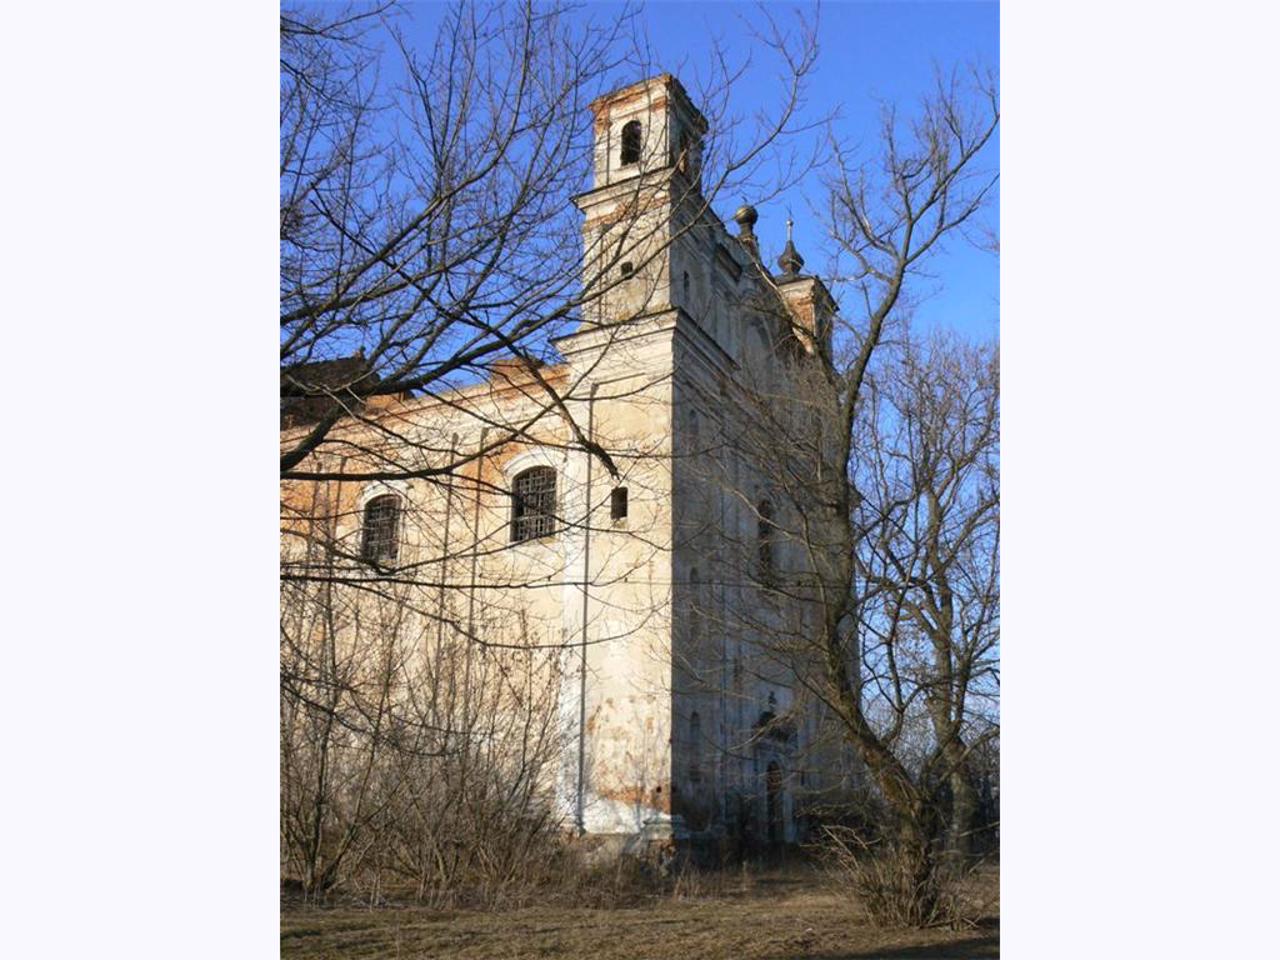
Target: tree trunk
point(964, 812)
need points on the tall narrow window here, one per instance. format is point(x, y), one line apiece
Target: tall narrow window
point(533, 511)
point(695, 610)
point(631, 142)
point(695, 748)
point(765, 531)
point(380, 540)
point(773, 802)
point(618, 504)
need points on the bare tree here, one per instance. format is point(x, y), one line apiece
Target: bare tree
point(928, 511)
point(425, 233)
point(423, 224)
point(878, 462)
point(410, 761)
point(430, 256)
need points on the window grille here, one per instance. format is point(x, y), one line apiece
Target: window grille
point(631, 142)
point(380, 542)
point(534, 506)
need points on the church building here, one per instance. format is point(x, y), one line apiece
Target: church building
point(610, 506)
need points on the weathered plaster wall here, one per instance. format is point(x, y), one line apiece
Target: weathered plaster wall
point(656, 617)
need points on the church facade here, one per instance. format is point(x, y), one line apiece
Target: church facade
point(609, 506)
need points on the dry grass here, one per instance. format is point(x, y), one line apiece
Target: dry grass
point(901, 886)
point(770, 916)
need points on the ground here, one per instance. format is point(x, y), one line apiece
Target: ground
point(767, 918)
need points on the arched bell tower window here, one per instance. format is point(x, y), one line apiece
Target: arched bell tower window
point(631, 136)
point(533, 511)
point(380, 536)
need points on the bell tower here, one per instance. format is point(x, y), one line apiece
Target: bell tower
point(647, 164)
point(647, 127)
point(617, 684)
point(661, 606)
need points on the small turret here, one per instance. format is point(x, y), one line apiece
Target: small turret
point(790, 261)
point(807, 298)
point(745, 217)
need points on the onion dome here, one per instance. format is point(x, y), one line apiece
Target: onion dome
point(745, 217)
point(790, 261)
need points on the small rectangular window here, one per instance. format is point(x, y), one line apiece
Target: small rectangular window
point(618, 503)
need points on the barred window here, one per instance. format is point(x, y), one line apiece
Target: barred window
point(764, 540)
point(631, 142)
point(534, 504)
point(380, 542)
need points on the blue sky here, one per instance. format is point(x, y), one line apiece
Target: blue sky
point(869, 52)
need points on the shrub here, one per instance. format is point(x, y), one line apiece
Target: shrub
point(900, 886)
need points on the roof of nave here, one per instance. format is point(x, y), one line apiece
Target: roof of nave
point(510, 381)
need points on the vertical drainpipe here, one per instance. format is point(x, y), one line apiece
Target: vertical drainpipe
point(441, 597)
point(475, 556)
point(580, 815)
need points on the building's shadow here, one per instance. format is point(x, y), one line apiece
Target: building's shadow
point(978, 946)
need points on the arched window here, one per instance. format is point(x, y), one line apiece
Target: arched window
point(380, 540)
point(765, 531)
point(631, 142)
point(695, 748)
point(533, 511)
